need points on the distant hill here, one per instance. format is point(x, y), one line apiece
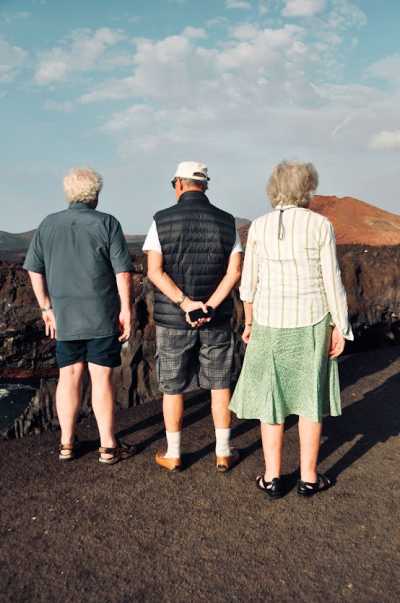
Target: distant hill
point(15, 242)
point(242, 222)
point(19, 242)
point(357, 222)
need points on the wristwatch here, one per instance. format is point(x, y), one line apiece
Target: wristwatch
point(46, 309)
point(180, 301)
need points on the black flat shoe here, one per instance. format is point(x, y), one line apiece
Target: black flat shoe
point(273, 489)
point(310, 488)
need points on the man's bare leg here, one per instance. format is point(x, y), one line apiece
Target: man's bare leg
point(103, 403)
point(68, 400)
point(173, 417)
point(221, 414)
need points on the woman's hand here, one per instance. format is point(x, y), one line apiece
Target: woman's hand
point(247, 334)
point(337, 343)
point(49, 323)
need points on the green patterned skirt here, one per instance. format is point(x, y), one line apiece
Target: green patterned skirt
point(288, 372)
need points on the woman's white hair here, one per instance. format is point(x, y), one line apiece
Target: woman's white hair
point(292, 183)
point(82, 185)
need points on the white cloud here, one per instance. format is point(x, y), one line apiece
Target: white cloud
point(81, 51)
point(245, 31)
point(238, 4)
point(11, 59)
point(17, 16)
point(260, 92)
point(385, 140)
point(61, 106)
point(387, 68)
point(254, 62)
point(346, 15)
point(194, 32)
point(217, 22)
point(303, 8)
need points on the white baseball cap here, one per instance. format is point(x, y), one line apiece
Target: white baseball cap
point(192, 170)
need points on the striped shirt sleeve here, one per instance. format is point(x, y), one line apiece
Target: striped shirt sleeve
point(248, 283)
point(335, 292)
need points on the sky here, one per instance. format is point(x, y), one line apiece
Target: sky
point(131, 88)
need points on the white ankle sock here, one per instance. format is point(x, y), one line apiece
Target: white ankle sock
point(222, 437)
point(174, 444)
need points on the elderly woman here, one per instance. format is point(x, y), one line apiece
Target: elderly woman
point(296, 323)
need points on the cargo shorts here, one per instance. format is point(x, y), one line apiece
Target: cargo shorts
point(189, 359)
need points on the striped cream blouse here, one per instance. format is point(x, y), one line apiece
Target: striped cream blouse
point(291, 272)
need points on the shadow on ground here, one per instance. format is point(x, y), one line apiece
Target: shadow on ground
point(131, 532)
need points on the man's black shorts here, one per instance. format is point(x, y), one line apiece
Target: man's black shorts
point(105, 351)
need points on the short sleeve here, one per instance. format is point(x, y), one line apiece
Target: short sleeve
point(152, 241)
point(34, 260)
point(237, 248)
point(119, 254)
point(248, 285)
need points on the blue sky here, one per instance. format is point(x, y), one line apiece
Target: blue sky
point(131, 88)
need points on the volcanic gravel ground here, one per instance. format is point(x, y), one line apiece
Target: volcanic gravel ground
point(132, 532)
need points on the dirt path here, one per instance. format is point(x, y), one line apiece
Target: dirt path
point(130, 533)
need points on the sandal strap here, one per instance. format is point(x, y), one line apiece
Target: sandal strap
point(104, 450)
point(69, 447)
point(260, 481)
point(122, 449)
point(322, 482)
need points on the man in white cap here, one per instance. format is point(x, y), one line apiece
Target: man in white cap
point(194, 261)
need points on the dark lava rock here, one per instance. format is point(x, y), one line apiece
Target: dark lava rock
point(371, 275)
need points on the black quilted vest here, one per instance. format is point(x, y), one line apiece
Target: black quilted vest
point(196, 240)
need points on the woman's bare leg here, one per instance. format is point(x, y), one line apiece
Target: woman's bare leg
point(310, 439)
point(272, 441)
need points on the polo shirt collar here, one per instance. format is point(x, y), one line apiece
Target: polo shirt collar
point(79, 205)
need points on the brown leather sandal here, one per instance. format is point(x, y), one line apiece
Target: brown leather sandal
point(120, 452)
point(67, 452)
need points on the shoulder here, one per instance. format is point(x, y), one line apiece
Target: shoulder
point(104, 217)
point(225, 215)
point(107, 221)
point(165, 213)
point(318, 219)
point(321, 227)
point(260, 222)
point(51, 219)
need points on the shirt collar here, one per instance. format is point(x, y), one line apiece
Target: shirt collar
point(191, 196)
point(286, 206)
point(79, 205)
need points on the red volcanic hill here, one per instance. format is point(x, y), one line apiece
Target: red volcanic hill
point(355, 222)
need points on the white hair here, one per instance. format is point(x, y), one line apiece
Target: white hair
point(82, 185)
point(292, 182)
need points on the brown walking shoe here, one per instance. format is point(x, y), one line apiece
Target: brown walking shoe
point(224, 463)
point(167, 463)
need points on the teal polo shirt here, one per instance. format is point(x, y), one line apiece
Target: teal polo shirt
point(79, 251)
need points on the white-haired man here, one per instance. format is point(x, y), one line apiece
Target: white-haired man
point(79, 266)
point(194, 259)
